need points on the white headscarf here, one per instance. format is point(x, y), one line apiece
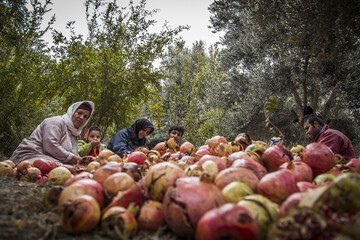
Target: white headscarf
point(70, 112)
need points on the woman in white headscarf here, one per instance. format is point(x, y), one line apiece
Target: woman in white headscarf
point(55, 138)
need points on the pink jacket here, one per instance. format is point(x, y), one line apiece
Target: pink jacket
point(51, 140)
point(337, 141)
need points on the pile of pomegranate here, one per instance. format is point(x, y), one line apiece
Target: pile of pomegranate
point(215, 191)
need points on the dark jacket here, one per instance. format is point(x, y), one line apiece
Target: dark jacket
point(337, 141)
point(126, 140)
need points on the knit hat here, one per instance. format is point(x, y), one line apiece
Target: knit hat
point(85, 106)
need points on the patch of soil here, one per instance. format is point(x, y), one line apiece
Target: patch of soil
point(24, 215)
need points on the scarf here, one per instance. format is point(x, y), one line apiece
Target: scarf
point(135, 129)
point(68, 117)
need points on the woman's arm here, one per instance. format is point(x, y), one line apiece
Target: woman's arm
point(53, 134)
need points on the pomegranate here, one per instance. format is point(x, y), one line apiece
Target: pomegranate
point(154, 156)
point(224, 149)
point(59, 175)
point(9, 162)
point(186, 201)
point(33, 173)
point(119, 223)
point(324, 178)
point(187, 148)
point(218, 160)
point(134, 195)
point(105, 154)
point(236, 191)
point(23, 166)
point(171, 143)
point(357, 169)
point(237, 174)
point(254, 166)
point(137, 157)
point(201, 151)
point(352, 163)
point(114, 158)
point(92, 167)
point(160, 177)
point(52, 195)
point(102, 173)
point(83, 175)
point(6, 170)
point(319, 157)
point(258, 148)
point(301, 170)
point(134, 170)
point(264, 211)
point(160, 147)
point(117, 182)
point(71, 168)
point(297, 150)
point(243, 155)
point(45, 166)
point(82, 187)
point(278, 185)
point(151, 216)
point(292, 201)
point(305, 186)
point(81, 215)
point(275, 156)
point(214, 142)
point(229, 221)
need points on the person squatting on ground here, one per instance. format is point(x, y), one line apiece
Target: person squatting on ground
point(128, 139)
point(55, 138)
point(322, 133)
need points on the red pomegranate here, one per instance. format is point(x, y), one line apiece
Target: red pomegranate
point(301, 170)
point(292, 201)
point(275, 156)
point(81, 215)
point(151, 216)
point(45, 166)
point(6, 170)
point(102, 173)
point(137, 157)
point(230, 221)
point(134, 195)
point(278, 185)
point(186, 201)
point(243, 155)
point(256, 167)
point(201, 151)
point(304, 186)
point(23, 166)
point(319, 157)
point(239, 174)
point(83, 175)
point(82, 187)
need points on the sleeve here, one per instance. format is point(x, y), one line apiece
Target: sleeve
point(84, 148)
point(120, 143)
point(52, 134)
point(332, 141)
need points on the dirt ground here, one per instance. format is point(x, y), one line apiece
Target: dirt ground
point(24, 215)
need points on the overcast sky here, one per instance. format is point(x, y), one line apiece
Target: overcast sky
point(176, 12)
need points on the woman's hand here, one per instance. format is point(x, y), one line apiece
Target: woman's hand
point(74, 160)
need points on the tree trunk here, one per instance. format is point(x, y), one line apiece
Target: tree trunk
point(330, 103)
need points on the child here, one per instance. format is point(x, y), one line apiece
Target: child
point(91, 143)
